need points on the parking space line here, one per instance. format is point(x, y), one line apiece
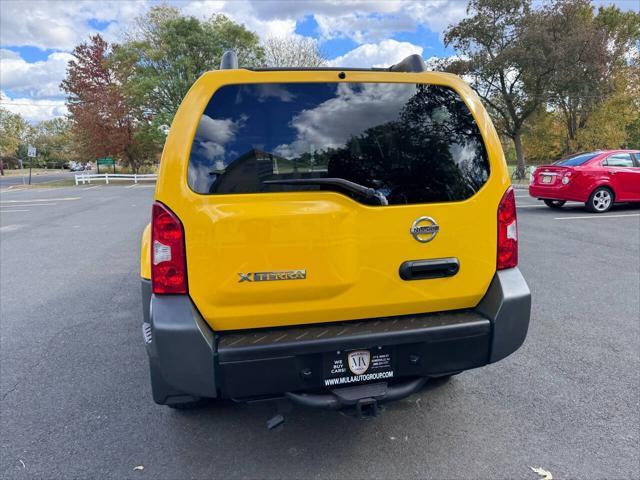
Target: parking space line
point(28, 205)
point(64, 199)
point(7, 190)
point(531, 206)
point(132, 185)
point(89, 188)
point(10, 228)
point(11, 211)
point(597, 215)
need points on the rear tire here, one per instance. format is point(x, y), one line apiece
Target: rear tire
point(600, 200)
point(554, 203)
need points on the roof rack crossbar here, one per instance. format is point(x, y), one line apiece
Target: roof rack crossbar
point(229, 60)
point(412, 64)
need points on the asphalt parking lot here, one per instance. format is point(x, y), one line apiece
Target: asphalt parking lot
point(76, 403)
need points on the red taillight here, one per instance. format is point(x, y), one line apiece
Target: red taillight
point(507, 232)
point(168, 265)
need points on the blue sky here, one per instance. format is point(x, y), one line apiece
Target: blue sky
point(36, 37)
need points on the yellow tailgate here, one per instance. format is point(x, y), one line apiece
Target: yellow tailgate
point(351, 252)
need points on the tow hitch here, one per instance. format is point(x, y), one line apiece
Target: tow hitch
point(367, 407)
point(365, 398)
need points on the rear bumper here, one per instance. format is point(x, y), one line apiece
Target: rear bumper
point(188, 359)
point(557, 192)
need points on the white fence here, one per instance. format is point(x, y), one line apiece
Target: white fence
point(82, 178)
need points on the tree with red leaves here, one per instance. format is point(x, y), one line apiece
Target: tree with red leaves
point(103, 121)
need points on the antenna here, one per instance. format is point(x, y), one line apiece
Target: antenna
point(412, 63)
point(229, 60)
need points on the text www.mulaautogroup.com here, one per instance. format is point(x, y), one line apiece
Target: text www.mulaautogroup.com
point(357, 378)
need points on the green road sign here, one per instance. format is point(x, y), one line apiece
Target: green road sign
point(106, 161)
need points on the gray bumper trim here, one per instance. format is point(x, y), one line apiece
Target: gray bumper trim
point(182, 349)
point(145, 289)
point(507, 304)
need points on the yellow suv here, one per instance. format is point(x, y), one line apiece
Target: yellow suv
point(333, 236)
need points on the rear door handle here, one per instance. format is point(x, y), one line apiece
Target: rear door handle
point(431, 268)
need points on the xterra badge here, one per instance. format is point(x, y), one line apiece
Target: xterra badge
point(272, 276)
point(424, 229)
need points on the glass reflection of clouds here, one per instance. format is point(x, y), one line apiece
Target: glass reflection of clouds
point(355, 108)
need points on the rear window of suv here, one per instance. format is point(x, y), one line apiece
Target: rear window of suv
point(408, 143)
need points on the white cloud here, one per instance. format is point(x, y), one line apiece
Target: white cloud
point(243, 11)
point(35, 80)
point(32, 110)
point(362, 21)
point(383, 54)
point(363, 27)
point(371, 22)
point(61, 25)
point(278, 18)
point(437, 15)
point(8, 55)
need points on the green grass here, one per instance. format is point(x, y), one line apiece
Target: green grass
point(524, 181)
point(11, 172)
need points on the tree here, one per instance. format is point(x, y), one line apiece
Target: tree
point(104, 122)
point(91, 97)
point(606, 125)
point(167, 53)
point(504, 50)
point(594, 52)
point(53, 141)
point(543, 136)
point(293, 52)
point(12, 131)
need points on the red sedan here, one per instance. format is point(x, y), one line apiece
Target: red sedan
point(599, 179)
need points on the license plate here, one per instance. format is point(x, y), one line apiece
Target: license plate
point(546, 178)
point(356, 366)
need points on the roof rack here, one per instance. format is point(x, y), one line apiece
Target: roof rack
point(229, 60)
point(411, 64)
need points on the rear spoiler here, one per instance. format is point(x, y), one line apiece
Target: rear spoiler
point(411, 64)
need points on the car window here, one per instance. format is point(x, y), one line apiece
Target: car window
point(577, 159)
point(619, 160)
point(411, 143)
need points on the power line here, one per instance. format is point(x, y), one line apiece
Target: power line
point(34, 104)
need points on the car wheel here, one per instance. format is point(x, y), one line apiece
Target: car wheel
point(600, 200)
point(554, 203)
